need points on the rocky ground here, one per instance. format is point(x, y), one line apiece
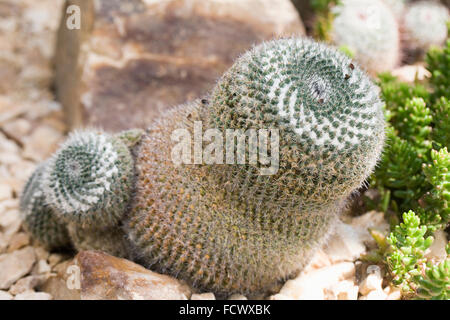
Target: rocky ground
point(31, 126)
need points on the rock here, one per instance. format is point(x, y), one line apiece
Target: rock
point(3, 243)
point(394, 294)
point(437, 250)
point(18, 128)
point(15, 265)
point(346, 244)
point(370, 220)
point(41, 253)
point(131, 60)
point(65, 283)
point(27, 284)
point(203, 296)
point(10, 223)
point(372, 282)
point(311, 286)
point(55, 258)
point(5, 191)
point(280, 296)
point(319, 260)
point(343, 290)
point(41, 143)
point(5, 295)
point(107, 277)
point(31, 295)
point(18, 240)
point(42, 267)
point(410, 73)
point(236, 297)
point(374, 295)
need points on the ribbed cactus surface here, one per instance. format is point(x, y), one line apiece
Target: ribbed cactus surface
point(221, 226)
point(39, 219)
point(227, 228)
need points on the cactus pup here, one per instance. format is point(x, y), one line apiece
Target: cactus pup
point(225, 227)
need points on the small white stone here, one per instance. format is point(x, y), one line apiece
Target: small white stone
point(203, 296)
point(280, 296)
point(5, 191)
point(437, 250)
point(375, 295)
point(31, 295)
point(5, 295)
point(237, 296)
point(42, 267)
point(15, 265)
point(372, 282)
point(346, 244)
point(344, 290)
point(311, 285)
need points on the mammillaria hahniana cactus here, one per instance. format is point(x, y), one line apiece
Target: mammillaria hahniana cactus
point(425, 24)
point(370, 30)
point(228, 227)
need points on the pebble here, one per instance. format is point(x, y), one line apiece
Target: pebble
point(346, 244)
point(18, 240)
point(372, 282)
point(203, 296)
point(42, 267)
point(31, 295)
point(27, 283)
point(15, 265)
point(311, 285)
point(236, 296)
point(5, 295)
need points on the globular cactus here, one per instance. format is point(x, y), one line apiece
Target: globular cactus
point(79, 196)
point(370, 30)
point(89, 179)
point(235, 227)
point(397, 6)
point(39, 219)
point(424, 24)
point(227, 228)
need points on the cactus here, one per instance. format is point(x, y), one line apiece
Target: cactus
point(39, 219)
point(227, 228)
point(370, 30)
point(89, 180)
point(425, 24)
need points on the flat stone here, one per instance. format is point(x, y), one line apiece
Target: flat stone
point(410, 73)
point(31, 295)
point(18, 240)
point(107, 277)
point(5, 295)
point(141, 58)
point(236, 297)
point(346, 244)
point(27, 284)
point(5, 191)
point(437, 250)
point(42, 143)
point(343, 290)
point(15, 265)
point(41, 267)
point(203, 296)
point(373, 280)
point(312, 285)
point(65, 283)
